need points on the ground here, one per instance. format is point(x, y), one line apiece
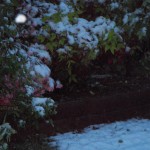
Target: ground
point(102, 81)
point(128, 135)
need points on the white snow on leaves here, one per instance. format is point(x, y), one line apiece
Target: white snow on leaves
point(39, 103)
point(82, 32)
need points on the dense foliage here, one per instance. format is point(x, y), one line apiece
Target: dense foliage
point(20, 104)
point(76, 32)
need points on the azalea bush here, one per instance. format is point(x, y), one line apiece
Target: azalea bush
point(22, 83)
point(76, 32)
point(70, 40)
point(13, 74)
point(131, 17)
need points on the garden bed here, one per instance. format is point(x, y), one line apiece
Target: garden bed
point(117, 99)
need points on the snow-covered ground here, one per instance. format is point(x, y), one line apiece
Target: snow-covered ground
point(133, 134)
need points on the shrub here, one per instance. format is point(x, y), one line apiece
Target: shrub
point(5, 133)
point(74, 37)
point(21, 77)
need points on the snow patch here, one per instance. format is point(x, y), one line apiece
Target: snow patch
point(124, 135)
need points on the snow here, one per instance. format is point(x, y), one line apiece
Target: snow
point(37, 21)
point(40, 51)
point(84, 33)
point(58, 84)
point(41, 101)
point(138, 11)
point(37, 59)
point(23, 53)
point(125, 19)
point(61, 50)
point(8, 1)
point(22, 123)
point(71, 40)
point(114, 5)
point(37, 64)
point(11, 39)
point(101, 1)
point(51, 83)
point(38, 104)
point(11, 27)
point(134, 21)
point(30, 90)
point(64, 8)
point(127, 49)
point(40, 110)
point(144, 30)
point(133, 17)
point(34, 11)
point(36, 53)
point(38, 101)
point(133, 134)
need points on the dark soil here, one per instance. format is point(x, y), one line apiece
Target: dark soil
point(104, 98)
point(105, 80)
point(98, 86)
point(31, 142)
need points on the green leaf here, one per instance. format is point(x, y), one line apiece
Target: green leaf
point(51, 122)
point(62, 41)
point(45, 18)
point(41, 38)
point(49, 46)
point(112, 50)
point(73, 78)
point(46, 27)
point(52, 37)
point(56, 17)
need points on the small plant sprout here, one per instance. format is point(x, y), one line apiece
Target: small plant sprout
point(20, 18)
